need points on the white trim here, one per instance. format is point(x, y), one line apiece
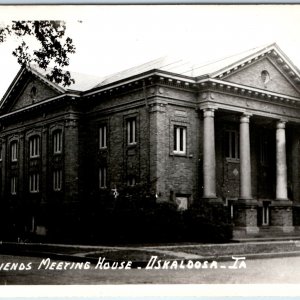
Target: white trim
point(103, 136)
point(263, 51)
point(102, 177)
point(131, 128)
point(14, 150)
point(38, 104)
point(34, 182)
point(13, 185)
point(154, 73)
point(57, 139)
point(34, 146)
point(246, 87)
point(265, 215)
point(57, 180)
point(177, 139)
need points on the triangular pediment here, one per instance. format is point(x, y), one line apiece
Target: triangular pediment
point(268, 70)
point(28, 88)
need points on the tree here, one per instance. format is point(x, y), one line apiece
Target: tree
point(54, 48)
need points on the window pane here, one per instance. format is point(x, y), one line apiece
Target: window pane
point(175, 139)
point(233, 144)
point(102, 136)
point(181, 139)
point(57, 142)
point(131, 131)
point(102, 177)
point(227, 154)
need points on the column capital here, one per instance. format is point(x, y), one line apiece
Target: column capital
point(280, 124)
point(244, 118)
point(208, 112)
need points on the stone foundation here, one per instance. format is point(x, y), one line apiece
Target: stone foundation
point(245, 218)
point(281, 215)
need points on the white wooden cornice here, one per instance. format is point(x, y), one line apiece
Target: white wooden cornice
point(39, 104)
point(246, 91)
point(273, 52)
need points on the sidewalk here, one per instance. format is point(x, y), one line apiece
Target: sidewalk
point(142, 254)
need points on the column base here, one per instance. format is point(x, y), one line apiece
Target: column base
point(243, 232)
point(245, 217)
point(281, 215)
point(213, 200)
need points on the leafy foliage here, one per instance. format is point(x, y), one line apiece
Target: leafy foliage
point(54, 48)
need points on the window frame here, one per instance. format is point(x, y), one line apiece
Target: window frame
point(180, 139)
point(131, 131)
point(102, 177)
point(34, 183)
point(232, 135)
point(34, 146)
point(103, 136)
point(13, 185)
point(57, 180)
point(57, 142)
point(14, 151)
point(131, 180)
point(265, 213)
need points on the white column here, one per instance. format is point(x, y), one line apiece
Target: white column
point(245, 159)
point(281, 169)
point(209, 156)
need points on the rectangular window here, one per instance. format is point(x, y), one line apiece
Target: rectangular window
point(131, 181)
point(265, 213)
point(102, 177)
point(131, 131)
point(57, 180)
point(57, 142)
point(179, 140)
point(13, 185)
point(14, 151)
point(34, 183)
point(232, 144)
point(102, 137)
point(34, 146)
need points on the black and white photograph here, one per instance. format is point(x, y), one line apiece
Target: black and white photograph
point(149, 144)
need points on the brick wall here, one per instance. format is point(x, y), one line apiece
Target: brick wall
point(251, 76)
point(27, 97)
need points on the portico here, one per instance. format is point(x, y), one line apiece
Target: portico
point(235, 157)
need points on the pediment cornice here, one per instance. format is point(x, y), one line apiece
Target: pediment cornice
point(275, 56)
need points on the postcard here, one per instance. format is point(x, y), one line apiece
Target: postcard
point(153, 147)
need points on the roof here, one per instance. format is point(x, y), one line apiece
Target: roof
point(186, 67)
point(179, 66)
point(83, 82)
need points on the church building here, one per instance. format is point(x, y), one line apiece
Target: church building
point(226, 133)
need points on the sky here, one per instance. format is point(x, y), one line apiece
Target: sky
point(112, 38)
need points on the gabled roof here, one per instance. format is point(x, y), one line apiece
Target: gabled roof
point(212, 69)
point(181, 67)
point(240, 60)
point(82, 82)
point(18, 77)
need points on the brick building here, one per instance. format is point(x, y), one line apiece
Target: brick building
point(227, 133)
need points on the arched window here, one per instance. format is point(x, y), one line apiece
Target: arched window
point(265, 76)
